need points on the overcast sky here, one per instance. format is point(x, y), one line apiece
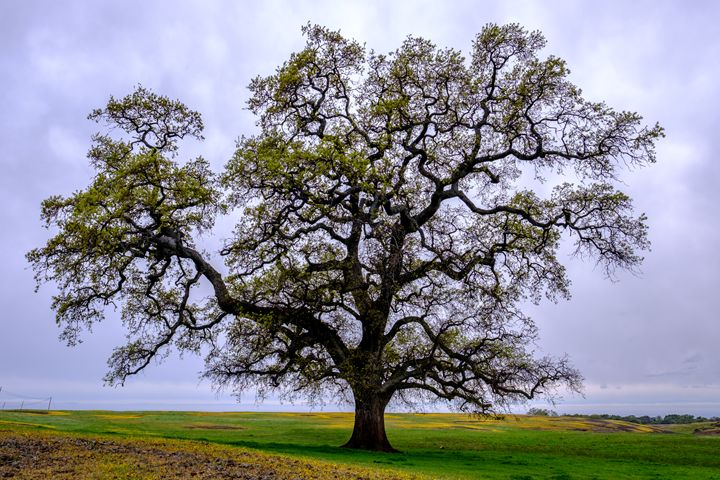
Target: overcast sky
point(645, 344)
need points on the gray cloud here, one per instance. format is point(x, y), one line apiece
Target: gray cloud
point(645, 338)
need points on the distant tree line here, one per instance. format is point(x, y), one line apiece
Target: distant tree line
point(644, 420)
point(657, 420)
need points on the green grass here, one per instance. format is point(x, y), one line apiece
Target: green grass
point(438, 445)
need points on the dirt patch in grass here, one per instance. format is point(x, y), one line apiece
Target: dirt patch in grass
point(583, 424)
point(607, 426)
point(713, 429)
point(40, 456)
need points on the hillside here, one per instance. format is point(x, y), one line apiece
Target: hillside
point(250, 445)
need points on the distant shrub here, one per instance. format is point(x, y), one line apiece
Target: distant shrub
point(542, 412)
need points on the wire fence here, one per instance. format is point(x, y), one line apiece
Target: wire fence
point(18, 401)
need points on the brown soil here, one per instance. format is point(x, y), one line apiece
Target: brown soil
point(602, 425)
point(713, 429)
point(42, 456)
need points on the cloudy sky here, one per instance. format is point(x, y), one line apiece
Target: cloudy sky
point(645, 344)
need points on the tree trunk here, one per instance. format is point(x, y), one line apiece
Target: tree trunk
point(369, 430)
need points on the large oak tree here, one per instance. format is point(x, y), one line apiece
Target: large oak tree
point(386, 232)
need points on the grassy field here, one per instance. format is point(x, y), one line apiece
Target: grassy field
point(435, 445)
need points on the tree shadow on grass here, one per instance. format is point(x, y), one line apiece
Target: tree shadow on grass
point(327, 452)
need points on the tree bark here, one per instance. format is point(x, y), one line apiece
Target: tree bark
point(369, 429)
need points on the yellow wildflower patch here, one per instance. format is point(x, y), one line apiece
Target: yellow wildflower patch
point(117, 417)
point(213, 426)
point(25, 424)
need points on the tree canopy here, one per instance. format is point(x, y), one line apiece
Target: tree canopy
point(387, 230)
